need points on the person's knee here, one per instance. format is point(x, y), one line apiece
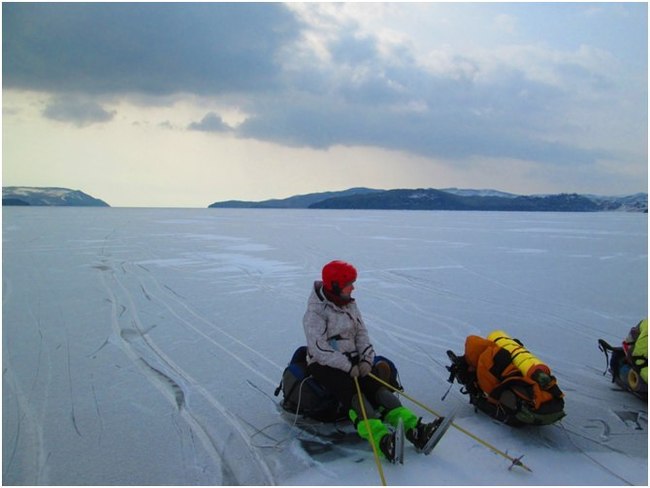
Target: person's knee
point(387, 399)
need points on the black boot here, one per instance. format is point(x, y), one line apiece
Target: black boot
point(387, 447)
point(421, 433)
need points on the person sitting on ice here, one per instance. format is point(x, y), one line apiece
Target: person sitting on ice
point(339, 349)
point(629, 362)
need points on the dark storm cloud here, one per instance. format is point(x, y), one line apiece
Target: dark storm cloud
point(443, 132)
point(210, 123)
point(77, 111)
point(360, 95)
point(403, 107)
point(151, 48)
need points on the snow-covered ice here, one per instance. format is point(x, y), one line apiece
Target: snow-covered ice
point(142, 346)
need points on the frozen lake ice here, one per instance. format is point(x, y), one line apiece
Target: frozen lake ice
point(142, 346)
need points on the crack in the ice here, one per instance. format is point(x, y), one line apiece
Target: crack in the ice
point(177, 391)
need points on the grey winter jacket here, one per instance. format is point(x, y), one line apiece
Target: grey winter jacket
point(336, 336)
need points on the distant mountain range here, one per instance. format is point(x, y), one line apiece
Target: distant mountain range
point(52, 197)
point(450, 199)
point(297, 201)
point(369, 198)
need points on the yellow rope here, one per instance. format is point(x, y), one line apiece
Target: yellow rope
point(515, 461)
point(371, 438)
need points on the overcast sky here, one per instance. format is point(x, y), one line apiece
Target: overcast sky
point(182, 105)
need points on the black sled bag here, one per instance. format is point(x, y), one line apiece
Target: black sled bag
point(304, 395)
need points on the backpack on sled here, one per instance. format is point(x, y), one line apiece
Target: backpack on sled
point(628, 363)
point(505, 381)
point(303, 395)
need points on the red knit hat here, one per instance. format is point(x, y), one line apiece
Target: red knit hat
point(338, 274)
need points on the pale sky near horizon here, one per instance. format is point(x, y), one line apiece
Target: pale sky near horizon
point(182, 105)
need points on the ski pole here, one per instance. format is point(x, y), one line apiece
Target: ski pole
point(515, 461)
point(371, 438)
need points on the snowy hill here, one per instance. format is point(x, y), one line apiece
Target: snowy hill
point(627, 203)
point(450, 199)
point(143, 346)
point(467, 192)
point(430, 199)
point(297, 201)
point(55, 197)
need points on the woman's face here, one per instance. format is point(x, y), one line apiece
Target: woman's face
point(346, 291)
